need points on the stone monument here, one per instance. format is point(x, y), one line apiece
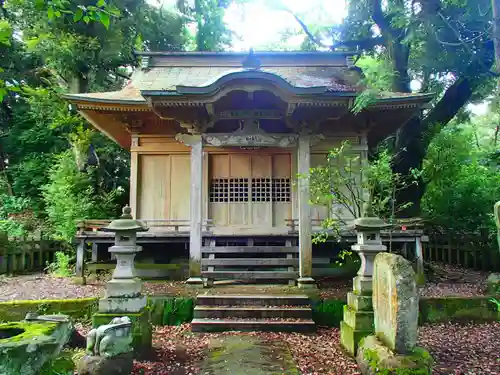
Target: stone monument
point(109, 349)
point(124, 291)
point(395, 305)
point(358, 313)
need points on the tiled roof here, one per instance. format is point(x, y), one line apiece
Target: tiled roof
point(168, 78)
point(331, 79)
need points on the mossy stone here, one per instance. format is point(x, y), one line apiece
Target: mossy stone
point(75, 308)
point(457, 310)
point(375, 358)
point(178, 310)
point(32, 345)
point(328, 312)
point(350, 337)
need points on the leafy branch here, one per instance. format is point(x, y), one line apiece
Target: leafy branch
point(345, 182)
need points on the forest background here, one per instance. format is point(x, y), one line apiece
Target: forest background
point(56, 170)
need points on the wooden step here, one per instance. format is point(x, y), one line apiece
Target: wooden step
point(249, 262)
point(261, 312)
point(250, 275)
point(246, 325)
point(249, 249)
point(253, 300)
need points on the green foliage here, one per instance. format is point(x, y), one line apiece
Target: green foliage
point(328, 312)
point(71, 196)
point(463, 182)
point(64, 364)
point(344, 183)
point(178, 310)
point(495, 302)
point(377, 80)
point(456, 309)
point(61, 266)
point(5, 32)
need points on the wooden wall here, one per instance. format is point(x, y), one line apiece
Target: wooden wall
point(319, 153)
point(160, 179)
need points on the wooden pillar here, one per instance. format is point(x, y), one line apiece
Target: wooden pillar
point(95, 252)
point(134, 170)
point(304, 210)
point(80, 262)
point(196, 200)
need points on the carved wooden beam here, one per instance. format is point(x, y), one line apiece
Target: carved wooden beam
point(187, 139)
point(132, 122)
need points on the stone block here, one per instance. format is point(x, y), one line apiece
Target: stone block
point(360, 303)
point(350, 337)
point(121, 364)
point(362, 285)
point(361, 320)
point(123, 288)
point(142, 329)
point(375, 358)
point(306, 283)
point(26, 346)
point(395, 302)
point(122, 305)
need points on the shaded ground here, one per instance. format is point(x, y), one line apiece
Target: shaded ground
point(463, 349)
point(446, 281)
point(458, 349)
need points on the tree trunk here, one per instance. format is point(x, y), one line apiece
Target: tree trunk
point(414, 137)
point(400, 53)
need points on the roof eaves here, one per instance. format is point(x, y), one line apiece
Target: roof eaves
point(242, 54)
point(81, 98)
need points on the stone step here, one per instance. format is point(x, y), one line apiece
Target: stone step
point(261, 312)
point(247, 325)
point(253, 300)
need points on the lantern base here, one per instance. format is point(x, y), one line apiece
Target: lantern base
point(123, 288)
point(306, 283)
point(122, 304)
point(195, 282)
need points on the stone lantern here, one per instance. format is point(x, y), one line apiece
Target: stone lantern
point(123, 291)
point(358, 313)
point(369, 244)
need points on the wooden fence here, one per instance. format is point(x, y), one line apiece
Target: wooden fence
point(24, 255)
point(469, 250)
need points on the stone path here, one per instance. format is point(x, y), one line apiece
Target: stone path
point(248, 355)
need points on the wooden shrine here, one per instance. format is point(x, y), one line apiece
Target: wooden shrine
point(216, 141)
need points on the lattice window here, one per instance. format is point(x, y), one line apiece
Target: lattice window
point(261, 189)
point(281, 190)
point(219, 190)
point(223, 190)
point(238, 190)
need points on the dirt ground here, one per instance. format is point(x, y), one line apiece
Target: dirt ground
point(457, 349)
point(446, 281)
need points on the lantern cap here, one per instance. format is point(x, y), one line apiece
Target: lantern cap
point(126, 223)
point(369, 222)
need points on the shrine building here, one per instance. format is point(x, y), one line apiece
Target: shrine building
point(217, 141)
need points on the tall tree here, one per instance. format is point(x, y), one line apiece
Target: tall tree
point(445, 45)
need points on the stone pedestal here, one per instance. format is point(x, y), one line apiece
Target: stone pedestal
point(358, 313)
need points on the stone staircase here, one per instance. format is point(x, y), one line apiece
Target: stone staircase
point(217, 313)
